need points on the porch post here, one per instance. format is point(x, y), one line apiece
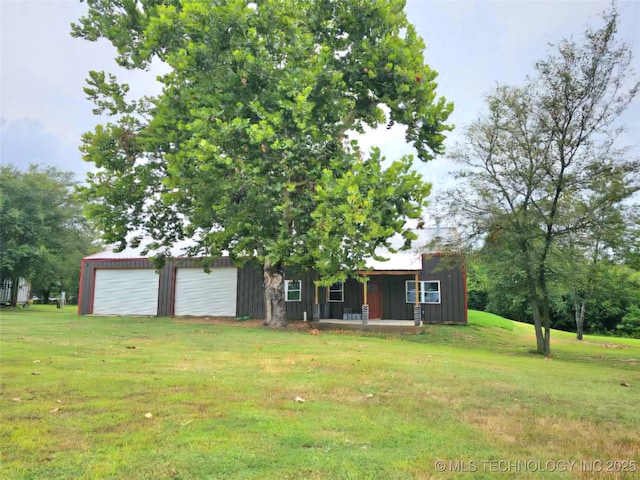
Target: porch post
point(365, 306)
point(365, 314)
point(417, 310)
point(365, 291)
point(316, 305)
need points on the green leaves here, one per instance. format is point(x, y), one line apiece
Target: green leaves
point(44, 234)
point(107, 95)
point(542, 170)
point(357, 212)
point(247, 148)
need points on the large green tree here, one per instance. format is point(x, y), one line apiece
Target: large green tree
point(250, 147)
point(543, 163)
point(42, 229)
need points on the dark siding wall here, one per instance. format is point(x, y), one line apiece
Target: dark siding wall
point(250, 296)
point(295, 310)
point(394, 305)
point(353, 298)
point(448, 270)
point(167, 290)
point(353, 295)
point(251, 293)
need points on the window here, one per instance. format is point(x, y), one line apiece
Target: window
point(293, 290)
point(411, 292)
point(336, 292)
point(428, 292)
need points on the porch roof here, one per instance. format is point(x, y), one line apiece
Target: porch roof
point(400, 263)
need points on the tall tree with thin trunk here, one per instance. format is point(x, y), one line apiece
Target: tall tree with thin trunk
point(249, 148)
point(536, 167)
point(582, 254)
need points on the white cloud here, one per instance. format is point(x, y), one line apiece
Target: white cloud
point(26, 141)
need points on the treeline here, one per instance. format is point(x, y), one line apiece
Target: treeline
point(612, 307)
point(43, 232)
point(547, 189)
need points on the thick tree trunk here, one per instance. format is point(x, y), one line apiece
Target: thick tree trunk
point(541, 322)
point(275, 307)
point(545, 311)
point(580, 311)
point(15, 286)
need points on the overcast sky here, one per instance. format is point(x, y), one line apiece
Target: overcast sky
point(472, 44)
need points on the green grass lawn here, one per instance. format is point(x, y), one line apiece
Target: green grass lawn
point(76, 392)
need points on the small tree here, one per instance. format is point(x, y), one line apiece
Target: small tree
point(537, 164)
point(247, 149)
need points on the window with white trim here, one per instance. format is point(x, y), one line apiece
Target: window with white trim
point(411, 291)
point(336, 292)
point(293, 290)
point(428, 291)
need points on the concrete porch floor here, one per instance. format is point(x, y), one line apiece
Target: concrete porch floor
point(405, 323)
point(382, 326)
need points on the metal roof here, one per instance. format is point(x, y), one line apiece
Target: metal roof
point(409, 261)
point(401, 261)
point(131, 253)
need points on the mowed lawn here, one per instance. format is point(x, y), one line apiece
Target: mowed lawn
point(160, 398)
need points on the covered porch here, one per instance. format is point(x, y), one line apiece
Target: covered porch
point(378, 298)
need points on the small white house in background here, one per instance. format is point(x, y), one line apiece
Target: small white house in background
point(5, 291)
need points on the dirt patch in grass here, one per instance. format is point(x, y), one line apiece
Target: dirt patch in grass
point(607, 345)
point(220, 321)
point(230, 321)
point(630, 361)
point(613, 345)
point(500, 425)
point(515, 426)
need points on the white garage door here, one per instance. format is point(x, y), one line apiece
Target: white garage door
point(126, 292)
point(201, 293)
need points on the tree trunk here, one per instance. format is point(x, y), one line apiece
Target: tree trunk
point(537, 323)
point(546, 322)
point(542, 324)
point(15, 286)
point(580, 311)
point(275, 307)
point(534, 303)
point(545, 311)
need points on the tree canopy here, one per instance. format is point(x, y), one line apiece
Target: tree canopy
point(250, 147)
point(544, 164)
point(44, 233)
